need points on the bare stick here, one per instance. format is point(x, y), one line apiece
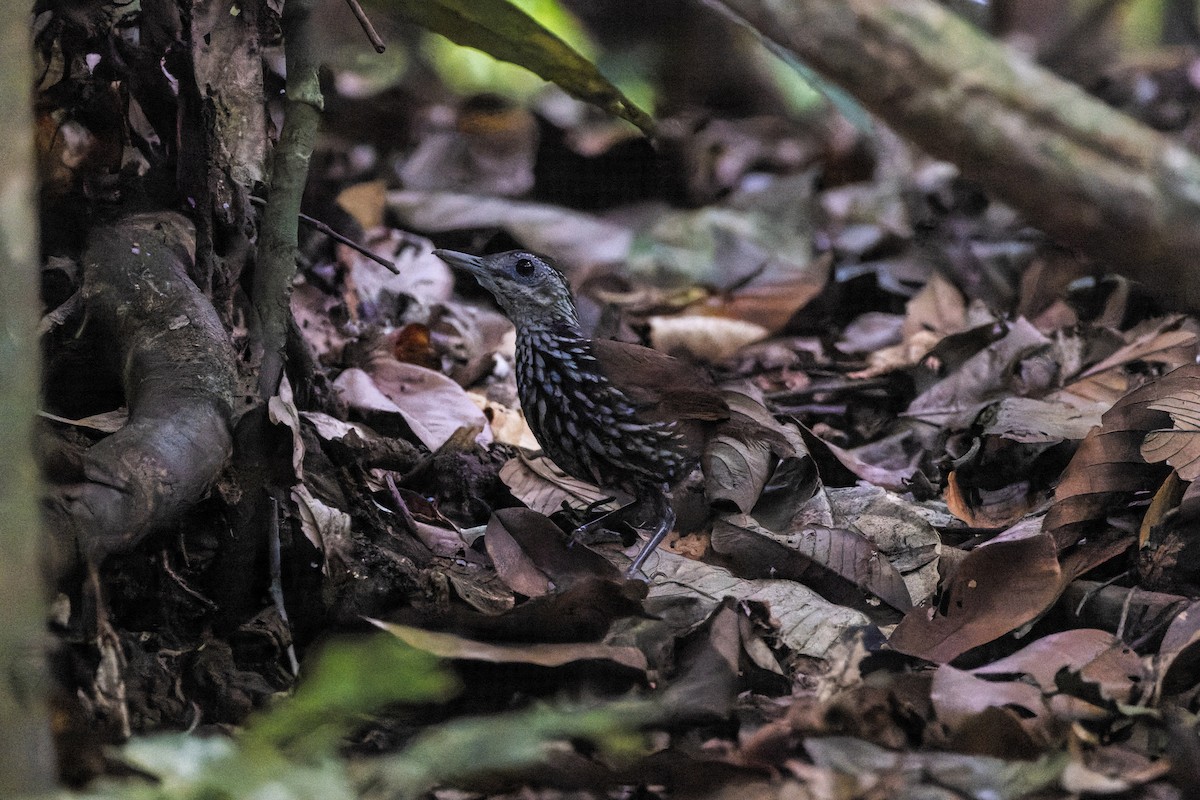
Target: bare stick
point(368, 28)
point(324, 228)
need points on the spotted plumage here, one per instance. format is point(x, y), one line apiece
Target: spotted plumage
point(584, 422)
point(614, 414)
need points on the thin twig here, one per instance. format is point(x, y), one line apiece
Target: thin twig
point(369, 29)
point(332, 234)
point(182, 584)
point(276, 587)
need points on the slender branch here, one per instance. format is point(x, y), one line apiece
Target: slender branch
point(368, 28)
point(316, 224)
point(276, 266)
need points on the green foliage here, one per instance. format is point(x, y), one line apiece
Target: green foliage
point(512, 743)
point(348, 680)
point(506, 32)
point(291, 751)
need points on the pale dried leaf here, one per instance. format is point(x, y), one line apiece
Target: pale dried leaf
point(508, 424)
point(939, 308)
point(323, 525)
point(420, 274)
point(447, 645)
point(365, 202)
point(281, 409)
point(870, 332)
point(808, 624)
point(898, 356)
point(541, 485)
point(105, 422)
point(332, 429)
point(314, 311)
point(712, 339)
point(572, 236)
point(1027, 420)
point(432, 405)
point(1180, 446)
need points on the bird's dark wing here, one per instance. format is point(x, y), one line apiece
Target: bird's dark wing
point(663, 387)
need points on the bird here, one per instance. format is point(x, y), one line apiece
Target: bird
point(615, 414)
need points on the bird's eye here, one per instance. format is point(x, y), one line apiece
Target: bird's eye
point(524, 267)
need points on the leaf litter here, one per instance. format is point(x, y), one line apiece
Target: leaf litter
point(900, 586)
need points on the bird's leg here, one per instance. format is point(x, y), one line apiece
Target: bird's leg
point(607, 521)
point(665, 515)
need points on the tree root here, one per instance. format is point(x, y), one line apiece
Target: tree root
point(177, 370)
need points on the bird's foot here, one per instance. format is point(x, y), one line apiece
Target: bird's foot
point(666, 523)
point(600, 530)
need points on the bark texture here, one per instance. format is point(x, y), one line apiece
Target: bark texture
point(27, 765)
point(1089, 176)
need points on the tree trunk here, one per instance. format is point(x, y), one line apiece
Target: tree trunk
point(1087, 175)
point(24, 731)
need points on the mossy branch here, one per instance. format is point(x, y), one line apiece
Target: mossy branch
point(1090, 176)
point(279, 237)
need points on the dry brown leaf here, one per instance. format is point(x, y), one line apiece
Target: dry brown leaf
point(771, 303)
point(938, 308)
point(1180, 446)
point(513, 564)
point(996, 589)
point(525, 539)
point(1170, 341)
point(446, 645)
point(540, 484)
point(957, 399)
point(1177, 665)
point(1165, 499)
point(739, 458)
point(1032, 679)
point(959, 695)
point(1109, 468)
point(841, 565)
point(432, 405)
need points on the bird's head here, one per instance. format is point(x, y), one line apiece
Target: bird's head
point(528, 287)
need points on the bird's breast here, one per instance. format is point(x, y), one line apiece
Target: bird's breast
point(585, 423)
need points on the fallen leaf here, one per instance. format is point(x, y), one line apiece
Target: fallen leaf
point(712, 339)
point(432, 405)
point(326, 527)
point(1110, 468)
point(447, 645)
point(542, 486)
point(996, 589)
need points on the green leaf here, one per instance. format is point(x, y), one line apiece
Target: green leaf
point(512, 743)
point(348, 680)
point(502, 30)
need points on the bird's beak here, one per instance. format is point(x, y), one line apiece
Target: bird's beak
point(463, 261)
